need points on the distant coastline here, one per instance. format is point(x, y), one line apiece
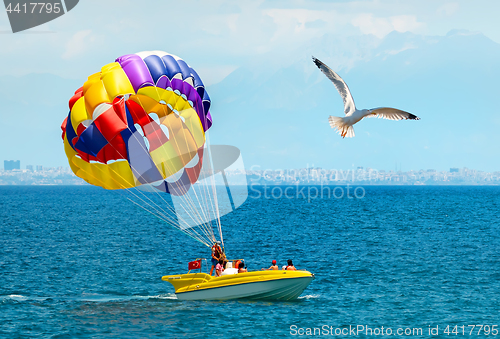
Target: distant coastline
point(369, 176)
point(300, 177)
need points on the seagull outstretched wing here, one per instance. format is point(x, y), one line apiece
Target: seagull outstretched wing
point(391, 114)
point(341, 86)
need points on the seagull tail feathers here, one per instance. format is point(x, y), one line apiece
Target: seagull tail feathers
point(343, 128)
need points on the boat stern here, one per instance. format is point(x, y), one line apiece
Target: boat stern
point(182, 281)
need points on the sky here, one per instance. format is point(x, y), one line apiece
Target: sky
point(241, 47)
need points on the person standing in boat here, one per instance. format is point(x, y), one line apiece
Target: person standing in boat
point(216, 255)
point(273, 267)
point(290, 266)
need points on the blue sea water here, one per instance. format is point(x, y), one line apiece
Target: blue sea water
point(81, 262)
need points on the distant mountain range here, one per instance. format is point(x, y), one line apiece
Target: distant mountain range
point(276, 110)
point(278, 115)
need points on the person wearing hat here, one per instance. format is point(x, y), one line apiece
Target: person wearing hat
point(273, 267)
point(216, 255)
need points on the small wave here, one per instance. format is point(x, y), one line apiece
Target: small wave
point(103, 298)
point(19, 297)
point(107, 298)
point(170, 296)
point(310, 296)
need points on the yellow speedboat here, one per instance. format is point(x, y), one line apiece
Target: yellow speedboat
point(258, 285)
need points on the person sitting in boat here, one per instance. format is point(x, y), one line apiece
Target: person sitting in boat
point(219, 268)
point(273, 267)
point(216, 255)
point(241, 267)
point(290, 266)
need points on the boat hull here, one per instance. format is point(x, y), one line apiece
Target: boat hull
point(285, 289)
point(277, 285)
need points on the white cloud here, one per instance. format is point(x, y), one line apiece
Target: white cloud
point(405, 23)
point(368, 24)
point(76, 44)
point(295, 20)
point(380, 27)
point(220, 33)
point(448, 9)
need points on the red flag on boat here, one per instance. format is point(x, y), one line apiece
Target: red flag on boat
point(194, 265)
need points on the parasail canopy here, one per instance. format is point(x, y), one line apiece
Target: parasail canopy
point(140, 125)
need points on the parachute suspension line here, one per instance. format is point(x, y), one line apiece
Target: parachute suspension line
point(157, 213)
point(208, 231)
point(146, 151)
point(186, 201)
point(188, 206)
point(210, 195)
point(206, 209)
point(194, 212)
point(156, 210)
point(200, 211)
point(170, 220)
point(209, 180)
point(145, 196)
point(214, 189)
point(204, 203)
point(167, 205)
point(153, 206)
point(199, 239)
point(206, 223)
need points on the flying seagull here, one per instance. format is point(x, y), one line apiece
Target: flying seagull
point(352, 114)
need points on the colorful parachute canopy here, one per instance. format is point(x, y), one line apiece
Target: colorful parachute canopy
point(140, 120)
point(140, 125)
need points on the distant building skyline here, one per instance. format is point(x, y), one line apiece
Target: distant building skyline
point(39, 168)
point(370, 176)
point(10, 165)
point(302, 176)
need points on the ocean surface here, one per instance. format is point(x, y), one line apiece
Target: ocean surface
point(81, 262)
